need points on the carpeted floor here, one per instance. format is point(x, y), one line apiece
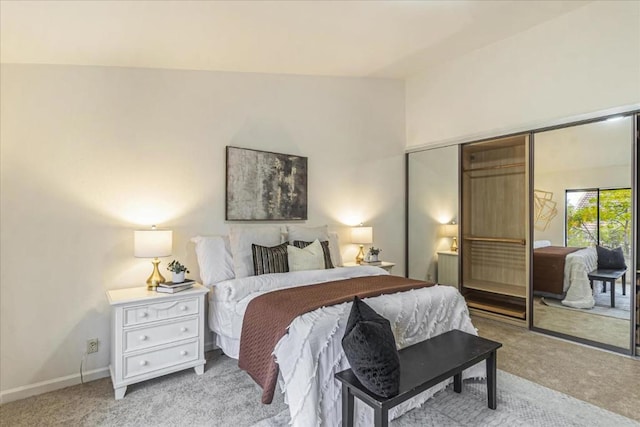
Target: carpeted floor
point(622, 310)
point(520, 403)
point(225, 396)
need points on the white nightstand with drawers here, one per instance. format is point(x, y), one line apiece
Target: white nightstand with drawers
point(154, 334)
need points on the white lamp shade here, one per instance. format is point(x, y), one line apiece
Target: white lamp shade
point(152, 243)
point(450, 230)
point(362, 235)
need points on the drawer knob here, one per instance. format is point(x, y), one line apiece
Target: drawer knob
point(143, 337)
point(143, 314)
point(183, 329)
point(183, 308)
point(183, 353)
point(143, 363)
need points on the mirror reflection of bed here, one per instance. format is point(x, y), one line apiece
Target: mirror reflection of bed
point(582, 179)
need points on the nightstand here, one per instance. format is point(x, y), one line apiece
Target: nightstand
point(386, 265)
point(448, 268)
point(154, 334)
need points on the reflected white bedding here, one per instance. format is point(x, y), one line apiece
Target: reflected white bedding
point(311, 353)
point(576, 282)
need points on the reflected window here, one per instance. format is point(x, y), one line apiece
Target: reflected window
point(599, 217)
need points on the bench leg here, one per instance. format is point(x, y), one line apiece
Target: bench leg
point(381, 417)
point(347, 406)
point(624, 284)
point(613, 293)
point(491, 380)
point(457, 382)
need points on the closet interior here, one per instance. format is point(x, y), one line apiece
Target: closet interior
point(494, 226)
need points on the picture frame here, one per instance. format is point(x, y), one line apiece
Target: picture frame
point(265, 186)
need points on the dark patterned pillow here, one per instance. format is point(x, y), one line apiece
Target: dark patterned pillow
point(371, 350)
point(610, 259)
point(325, 250)
point(270, 260)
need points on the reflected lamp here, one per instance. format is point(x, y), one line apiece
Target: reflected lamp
point(451, 230)
point(361, 236)
point(153, 243)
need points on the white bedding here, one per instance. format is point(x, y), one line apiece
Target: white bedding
point(311, 353)
point(576, 282)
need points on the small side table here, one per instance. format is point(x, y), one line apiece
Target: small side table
point(385, 265)
point(154, 334)
point(448, 268)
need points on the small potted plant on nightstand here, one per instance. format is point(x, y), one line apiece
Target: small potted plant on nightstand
point(178, 270)
point(373, 253)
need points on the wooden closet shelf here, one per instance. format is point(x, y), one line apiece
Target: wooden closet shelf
point(506, 310)
point(496, 239)
point(497, 288)
point(487, 168)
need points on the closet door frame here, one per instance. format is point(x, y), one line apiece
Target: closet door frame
point(632, 350)
point(632, 274)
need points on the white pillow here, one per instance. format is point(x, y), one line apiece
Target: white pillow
point(309, 258)
point(334, 249)
point(541, 244)
point(307, 234)
point(214, 258)
point(242, 237)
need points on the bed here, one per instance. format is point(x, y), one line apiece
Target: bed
point(310, 353)
point(561, 272)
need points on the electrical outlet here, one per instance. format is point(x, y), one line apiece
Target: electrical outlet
point(92, 345)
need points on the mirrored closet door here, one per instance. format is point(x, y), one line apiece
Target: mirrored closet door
point(432, 209)
point(582, 220)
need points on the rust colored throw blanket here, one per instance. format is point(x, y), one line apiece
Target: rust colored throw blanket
point(548, 268)
point(267, 317)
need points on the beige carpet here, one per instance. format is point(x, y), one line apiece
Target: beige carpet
point(602, 378)
point(582, 324)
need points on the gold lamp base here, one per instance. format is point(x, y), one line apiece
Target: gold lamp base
point(360, 256)
point(156, 277)
point(454, 244)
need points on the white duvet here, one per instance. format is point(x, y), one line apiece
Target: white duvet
point(576, 282)
point(311, 353)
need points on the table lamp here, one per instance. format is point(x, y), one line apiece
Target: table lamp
point(361, 236)
point(153, 243)
point(451, 230)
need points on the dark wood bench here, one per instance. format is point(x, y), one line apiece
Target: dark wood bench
point(609, 276)
point(422, 366)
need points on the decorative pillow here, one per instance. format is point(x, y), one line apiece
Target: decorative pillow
point(309, 258)
point(241, 239)
point(214, 259)
point(610, 259)
point(307, 234)
point(270, 260)
point(371, 350)
point(325, 250)
point(334, 246)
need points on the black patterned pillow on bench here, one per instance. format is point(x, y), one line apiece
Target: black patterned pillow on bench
point(370, 348)
point(610, 259)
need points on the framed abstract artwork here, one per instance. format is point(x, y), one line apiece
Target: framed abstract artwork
point(265, 186)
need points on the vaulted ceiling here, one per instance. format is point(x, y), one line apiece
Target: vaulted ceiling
point(335, 38)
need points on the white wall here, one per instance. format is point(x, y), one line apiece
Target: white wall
point(89, 154)
point(584, 61)
point(593, 155)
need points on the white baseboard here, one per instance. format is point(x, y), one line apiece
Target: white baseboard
point(23, 392)
point(51, 385)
